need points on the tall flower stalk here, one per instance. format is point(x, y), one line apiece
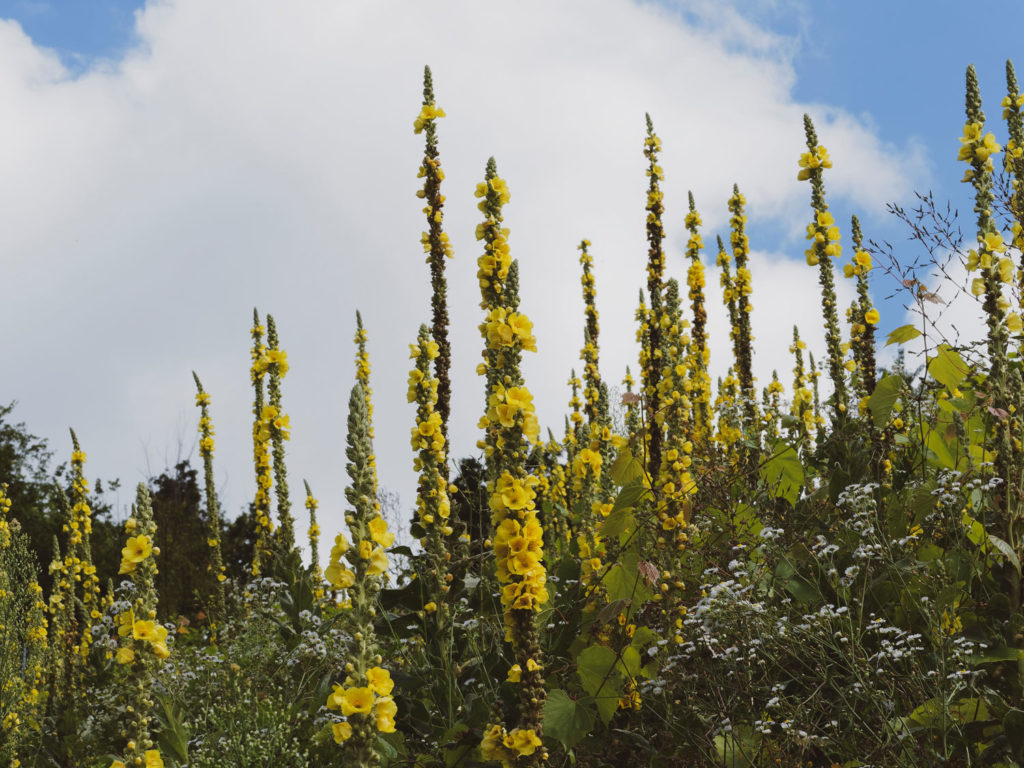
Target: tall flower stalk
point(260, 451)
point(437, 246)
point(433, 507)
point(143, 640)
point(802, 403)
point(364, 697)
point(824, 236)
point(743, 288)
point(313, 533)
point(655, 289)
point(277, 422)
point(674, 482)
point(206, 448)
point(510, 423)
point(79, 530)
point(699, 382)
point(865, 317)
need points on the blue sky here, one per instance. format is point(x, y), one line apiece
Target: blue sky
point(256, 152)
point(79, 30)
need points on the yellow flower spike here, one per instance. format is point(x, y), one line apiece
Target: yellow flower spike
point(825, 242)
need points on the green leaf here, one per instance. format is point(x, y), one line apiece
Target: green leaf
point(975, 531)
point(902, 335)
point(947, 367)
point(643, 636)
point(566, 720)
point(783, 473)
point(616, 522)
point(630, 494)
point(997, 655)
point(1006, 550)
point(630, 663)
point(623, 581)
point(941, 454)
point(173, 738)
point(596, 666)
point(884, 398)
point(626, 468)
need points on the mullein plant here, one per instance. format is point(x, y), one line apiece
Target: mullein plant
point(773, 407)
point(143, 640)
point(216, 564)
point(996, 269)
point(364, 697)
point(433, 507)
point(697, 365)
point(23, 691)
point(591, 478)
point(638, 437)
point(437, 246)
point(651, 361)
point(824, 236)
point(743, 288)
point(728, 427)
point(814, 375)
point(576, 414)
point(260, 452)
point(589, 354)
point(509, 423)
point(363, 376)
point(674, 484)
point(275, 361)
point(60, 609)
point(864, 317)
point(1013, 164)
point(989, 259)
point(802, 402)
point(555, 489)
point(728, 286)
point(79, 529)
point(313, 533)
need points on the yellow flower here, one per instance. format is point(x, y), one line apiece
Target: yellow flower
point(378, 562)
point(356, 701)
point(137, 549)
point(339, 577)
point(340, 546)
point(523, 740)
point(153, 759)
point(125, 655)
point(426, 115)
point(515, 674)
point(385, 710)
point(430, 607)
point(871, 317)
point(342, 732)
point(149, 631)
point(379, 680)
point(379, 532)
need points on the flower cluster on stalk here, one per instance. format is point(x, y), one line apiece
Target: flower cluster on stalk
point(510, 423)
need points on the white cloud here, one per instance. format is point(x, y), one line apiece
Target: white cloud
point(258, 153)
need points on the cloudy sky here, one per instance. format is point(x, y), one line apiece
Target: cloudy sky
point(166, 166)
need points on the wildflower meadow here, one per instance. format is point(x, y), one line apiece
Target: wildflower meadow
point(820, 570)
